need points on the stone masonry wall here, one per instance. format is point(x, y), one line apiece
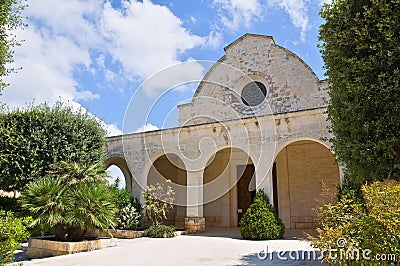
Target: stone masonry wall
point(291, 84)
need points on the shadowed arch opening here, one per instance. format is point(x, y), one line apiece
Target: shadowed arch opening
point(171, 167)
point(228, 187)
point(123, 166)
point(301, 170)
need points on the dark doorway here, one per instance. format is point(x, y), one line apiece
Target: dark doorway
point(275, 189)
point(245, 196)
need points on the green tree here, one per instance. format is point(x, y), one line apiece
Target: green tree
point(34, 138)
point(71, 203)
point(361, 51)
point(10, 19)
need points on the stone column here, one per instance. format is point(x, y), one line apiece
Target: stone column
point(341, 174)
point(194, 220)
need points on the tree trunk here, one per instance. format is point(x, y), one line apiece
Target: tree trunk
point(76, 233)
point(60, 232)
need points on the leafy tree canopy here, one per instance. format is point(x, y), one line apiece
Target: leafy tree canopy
point(34, 138)
point(361, 51)
point(10, 19)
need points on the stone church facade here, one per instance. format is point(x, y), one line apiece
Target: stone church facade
point(256, 121)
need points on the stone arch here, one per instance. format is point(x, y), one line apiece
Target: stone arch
point(229, 181)
point(281, 146)
point(170, 166)
point(121, 163)
point(302, 168)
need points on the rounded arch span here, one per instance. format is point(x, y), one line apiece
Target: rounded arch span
point(152, 159)
point(169, 166)
point(121, 163)
point(209, 157)
point(170, 160)
point(280, 147)
point(304, 170)
point(229, 184)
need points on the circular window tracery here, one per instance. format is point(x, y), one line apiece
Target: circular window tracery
point(254, 93)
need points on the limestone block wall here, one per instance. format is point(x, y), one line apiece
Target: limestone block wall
point(302, 169)
point(291, 84)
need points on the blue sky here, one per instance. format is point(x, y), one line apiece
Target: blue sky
point(96, 54)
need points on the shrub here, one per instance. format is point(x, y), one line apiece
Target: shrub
point(260, 221)
point(129, 215)
point(123, 198)
point(41, 230)
point(71, 201)
point(10, 204)
point(372, 225)
point(12, 232)
point(159, 231)
point(128, 218)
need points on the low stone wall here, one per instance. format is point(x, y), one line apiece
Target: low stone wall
point(44, 247)
point(129, 234)
point(126, 234)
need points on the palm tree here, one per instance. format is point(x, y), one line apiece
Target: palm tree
point(74, 173)
point(47, 201)
point(72, 198)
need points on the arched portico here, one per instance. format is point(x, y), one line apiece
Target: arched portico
point(273, 135)
point(228, 187)
point(301, 170)
point(171, 167)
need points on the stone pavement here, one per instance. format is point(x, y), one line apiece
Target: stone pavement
point(222, 247)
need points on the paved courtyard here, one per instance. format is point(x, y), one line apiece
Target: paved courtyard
point(210, 248)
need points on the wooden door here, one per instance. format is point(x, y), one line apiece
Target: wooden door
point(245, 196)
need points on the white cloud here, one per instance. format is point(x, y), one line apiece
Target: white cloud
point(46, 75)
point(322, 2)
point(214, 39)
point(297, 11)
point(72, 36)
point(146, 127)
point(146, 37)
point(75, 19)
point(112, 130)
point(171, 77)
point(235, 14)
point(53, 50)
